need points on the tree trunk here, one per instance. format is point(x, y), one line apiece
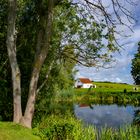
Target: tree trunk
point(39, 60)
point(11, 48)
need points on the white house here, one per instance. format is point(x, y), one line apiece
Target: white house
point(83, 83)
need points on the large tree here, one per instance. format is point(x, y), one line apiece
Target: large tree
point(83, 25)
point(136, 67)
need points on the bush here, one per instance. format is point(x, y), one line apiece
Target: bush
point(63, 128)
point(137, 117)
point(68, 128)
point(64, 95)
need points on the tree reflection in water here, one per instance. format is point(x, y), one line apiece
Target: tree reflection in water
point(136, 120)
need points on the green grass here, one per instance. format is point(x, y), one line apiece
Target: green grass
point(108, 92)
point(126, 133)
point(60, 127)
point(68, 128)
point(110, 87)
point(114, 87)
point(11, 131)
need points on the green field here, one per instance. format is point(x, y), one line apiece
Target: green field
point(107, 92)
point(111, 87)
point(11, 131)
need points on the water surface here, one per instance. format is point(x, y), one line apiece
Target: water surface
point(106, 115)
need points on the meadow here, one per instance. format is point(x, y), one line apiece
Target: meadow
point(107, 92)
point(111, 87)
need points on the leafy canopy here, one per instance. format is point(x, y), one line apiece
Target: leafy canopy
point(136, 67)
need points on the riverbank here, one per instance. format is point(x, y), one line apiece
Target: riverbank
point(109, 93)
point(61, 123)
point(58, 127)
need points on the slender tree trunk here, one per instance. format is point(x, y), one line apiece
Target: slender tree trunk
point(39, 60)
point(11, 47)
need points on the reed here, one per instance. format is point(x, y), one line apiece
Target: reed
point(69, 128)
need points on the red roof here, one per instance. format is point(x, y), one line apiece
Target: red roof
point(83, 105)
point(85, 80)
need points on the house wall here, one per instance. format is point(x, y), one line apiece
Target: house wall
point(87, 85)
point(78, 83)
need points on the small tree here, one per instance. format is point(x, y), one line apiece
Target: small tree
point(136, 67)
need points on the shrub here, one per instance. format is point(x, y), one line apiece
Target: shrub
point(68, 128)
point(137, 117)
point(63, 128)
point(64, 95)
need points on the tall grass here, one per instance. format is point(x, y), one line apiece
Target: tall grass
point(64, 128)
point(125, 133)
point(65, 95)
point(112, 97)
point(69, 128)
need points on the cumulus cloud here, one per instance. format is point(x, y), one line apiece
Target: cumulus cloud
point(113, 74)
point(118, 80)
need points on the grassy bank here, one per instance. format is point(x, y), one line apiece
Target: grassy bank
point(60, 124)
point(112, 97)
point(58, 127)
point(11, 131)
point(68, 128)
point(109, 93)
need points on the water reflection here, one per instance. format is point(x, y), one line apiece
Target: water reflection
point(105, 115)
point(136, 120)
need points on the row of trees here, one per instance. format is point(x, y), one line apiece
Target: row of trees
point(45, 39)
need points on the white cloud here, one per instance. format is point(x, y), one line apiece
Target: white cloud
point(113, 74)
point(118, 80)
point(78, 75)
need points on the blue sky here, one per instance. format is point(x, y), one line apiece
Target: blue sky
point(121, 71)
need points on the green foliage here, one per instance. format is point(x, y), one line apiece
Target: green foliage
point(11, 131)
point(65, 95)
point(137, 117)
point(103, 87)
point(5, 72)
point(124, 133)
point(136, 67)
point(68, 128)
point(63, 128)
point(75, 26)
point(112, 97)
point(107, 92)
point(57, 103)
point(3, 25)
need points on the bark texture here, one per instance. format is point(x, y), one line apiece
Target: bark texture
point(39, 60)
point(11, 48)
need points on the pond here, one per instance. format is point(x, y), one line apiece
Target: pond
point(105, 115)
